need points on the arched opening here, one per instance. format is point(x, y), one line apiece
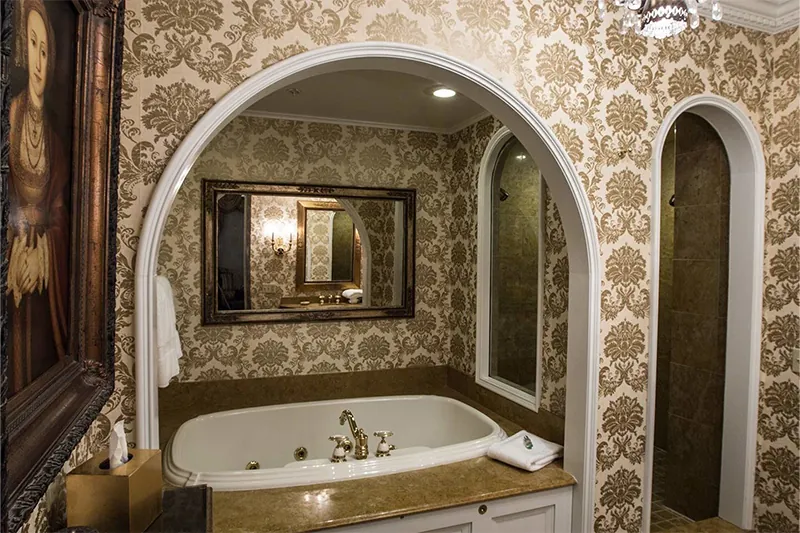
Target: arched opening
point(537, 138)
point(742, 336)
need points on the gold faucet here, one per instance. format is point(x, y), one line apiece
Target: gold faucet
point(360, 438)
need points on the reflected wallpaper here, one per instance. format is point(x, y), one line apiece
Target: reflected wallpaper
point(603, 94)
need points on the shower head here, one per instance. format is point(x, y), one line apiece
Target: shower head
point(503, 195)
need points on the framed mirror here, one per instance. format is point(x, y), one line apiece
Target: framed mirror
point(328, 248)
point(293, 253)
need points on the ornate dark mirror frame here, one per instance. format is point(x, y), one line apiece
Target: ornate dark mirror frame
point(211, 189)
point(44, 422)
point(302, 284)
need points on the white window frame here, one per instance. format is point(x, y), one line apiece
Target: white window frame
point(483, 376)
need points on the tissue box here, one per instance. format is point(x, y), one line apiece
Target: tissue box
point(127, 498)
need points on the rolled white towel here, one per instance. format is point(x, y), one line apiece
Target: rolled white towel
point(512, 451)
point(352, 293)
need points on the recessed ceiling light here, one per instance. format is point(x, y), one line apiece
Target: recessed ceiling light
point(443, 92)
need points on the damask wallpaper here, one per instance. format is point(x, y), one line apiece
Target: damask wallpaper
point(271, 276)
point(605, 96)
point(258, 149)
point(319, 259)
point(379, 219)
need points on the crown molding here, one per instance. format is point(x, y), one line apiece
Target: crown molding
point(746, 18)
point(365, 123)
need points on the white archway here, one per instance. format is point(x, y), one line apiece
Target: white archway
point(746, 277)
point(538, 139)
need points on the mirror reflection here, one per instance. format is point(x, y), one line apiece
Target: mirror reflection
point(274, 250)
point(515, 278)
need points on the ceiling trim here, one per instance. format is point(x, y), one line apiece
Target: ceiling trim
point(365, 123)
point(753, 20)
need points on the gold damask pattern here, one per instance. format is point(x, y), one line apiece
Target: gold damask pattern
point(604, 94)
point(379, 217)
point(271, 276)
point(319, 237)
point(778, 463)
point(258, 149)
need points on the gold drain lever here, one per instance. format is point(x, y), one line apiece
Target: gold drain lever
point(252, 465)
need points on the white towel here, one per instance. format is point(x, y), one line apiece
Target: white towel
point(350, 293)
point(169, 343)
point(513, 451)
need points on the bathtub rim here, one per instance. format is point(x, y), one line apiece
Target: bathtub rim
point(278, 477)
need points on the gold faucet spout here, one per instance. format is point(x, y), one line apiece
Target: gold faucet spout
point(360, 438)
point(347, 416)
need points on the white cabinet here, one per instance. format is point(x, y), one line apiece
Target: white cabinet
point(541, 512)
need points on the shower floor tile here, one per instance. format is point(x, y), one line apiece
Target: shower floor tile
point(662, 518)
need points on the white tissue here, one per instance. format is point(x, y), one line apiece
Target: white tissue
point(118, 446)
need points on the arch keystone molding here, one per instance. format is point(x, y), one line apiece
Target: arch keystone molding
point(502, 102)
point(745, 286)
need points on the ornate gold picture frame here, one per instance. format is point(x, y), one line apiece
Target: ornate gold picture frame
point(61, 83)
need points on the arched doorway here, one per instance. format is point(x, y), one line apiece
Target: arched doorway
point(532, 132)
point(743, 342)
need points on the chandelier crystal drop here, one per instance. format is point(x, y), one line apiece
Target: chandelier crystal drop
point(659, 18)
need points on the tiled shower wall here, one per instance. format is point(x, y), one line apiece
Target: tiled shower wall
point(515, 268)
point(667, 250)
point(699, 304)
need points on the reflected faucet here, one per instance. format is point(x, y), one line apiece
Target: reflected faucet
point(360, 438)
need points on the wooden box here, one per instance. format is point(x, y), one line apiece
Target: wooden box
point(127, 498)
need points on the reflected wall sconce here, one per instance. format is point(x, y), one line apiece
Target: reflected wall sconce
point(279, 246)
point(280, 237)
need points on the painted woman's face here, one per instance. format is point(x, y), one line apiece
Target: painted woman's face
point(37, 53)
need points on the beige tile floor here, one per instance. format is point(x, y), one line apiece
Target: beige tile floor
point(712, 525)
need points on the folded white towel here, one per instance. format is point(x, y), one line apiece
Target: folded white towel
point(351, 293)
point(513, 451)
point(169, 343)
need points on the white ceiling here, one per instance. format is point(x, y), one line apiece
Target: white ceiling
point(370, 97)
point(771, 16)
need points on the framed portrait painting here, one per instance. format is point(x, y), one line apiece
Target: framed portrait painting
point(60, 115)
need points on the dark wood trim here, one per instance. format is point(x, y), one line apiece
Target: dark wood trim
point(45, 421)
point(211, 189)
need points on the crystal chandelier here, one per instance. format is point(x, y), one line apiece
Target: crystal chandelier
point(660, 18)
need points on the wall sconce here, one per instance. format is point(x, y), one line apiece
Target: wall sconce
point(279, 237)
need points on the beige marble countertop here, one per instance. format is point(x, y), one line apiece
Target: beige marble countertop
point(316, 507)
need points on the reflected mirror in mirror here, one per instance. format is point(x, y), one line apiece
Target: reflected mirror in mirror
point(291, 252)
point(515, 268)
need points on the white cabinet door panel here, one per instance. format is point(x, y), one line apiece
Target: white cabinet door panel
point(542, 512)
point(530, 521)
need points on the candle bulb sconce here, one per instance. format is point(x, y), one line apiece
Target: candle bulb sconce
point(279, 246)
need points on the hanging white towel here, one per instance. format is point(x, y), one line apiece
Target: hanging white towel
point(514, 452)
point(169, 343)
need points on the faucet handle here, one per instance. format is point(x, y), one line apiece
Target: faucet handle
point(339, 452)
point(384, 448)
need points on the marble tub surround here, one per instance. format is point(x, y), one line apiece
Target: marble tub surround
point(543, 423)
point(181, 402)
point(318, 507)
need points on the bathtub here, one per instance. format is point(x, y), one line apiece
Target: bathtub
point(428, 431)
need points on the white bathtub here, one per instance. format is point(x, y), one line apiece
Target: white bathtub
point(428, 431)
